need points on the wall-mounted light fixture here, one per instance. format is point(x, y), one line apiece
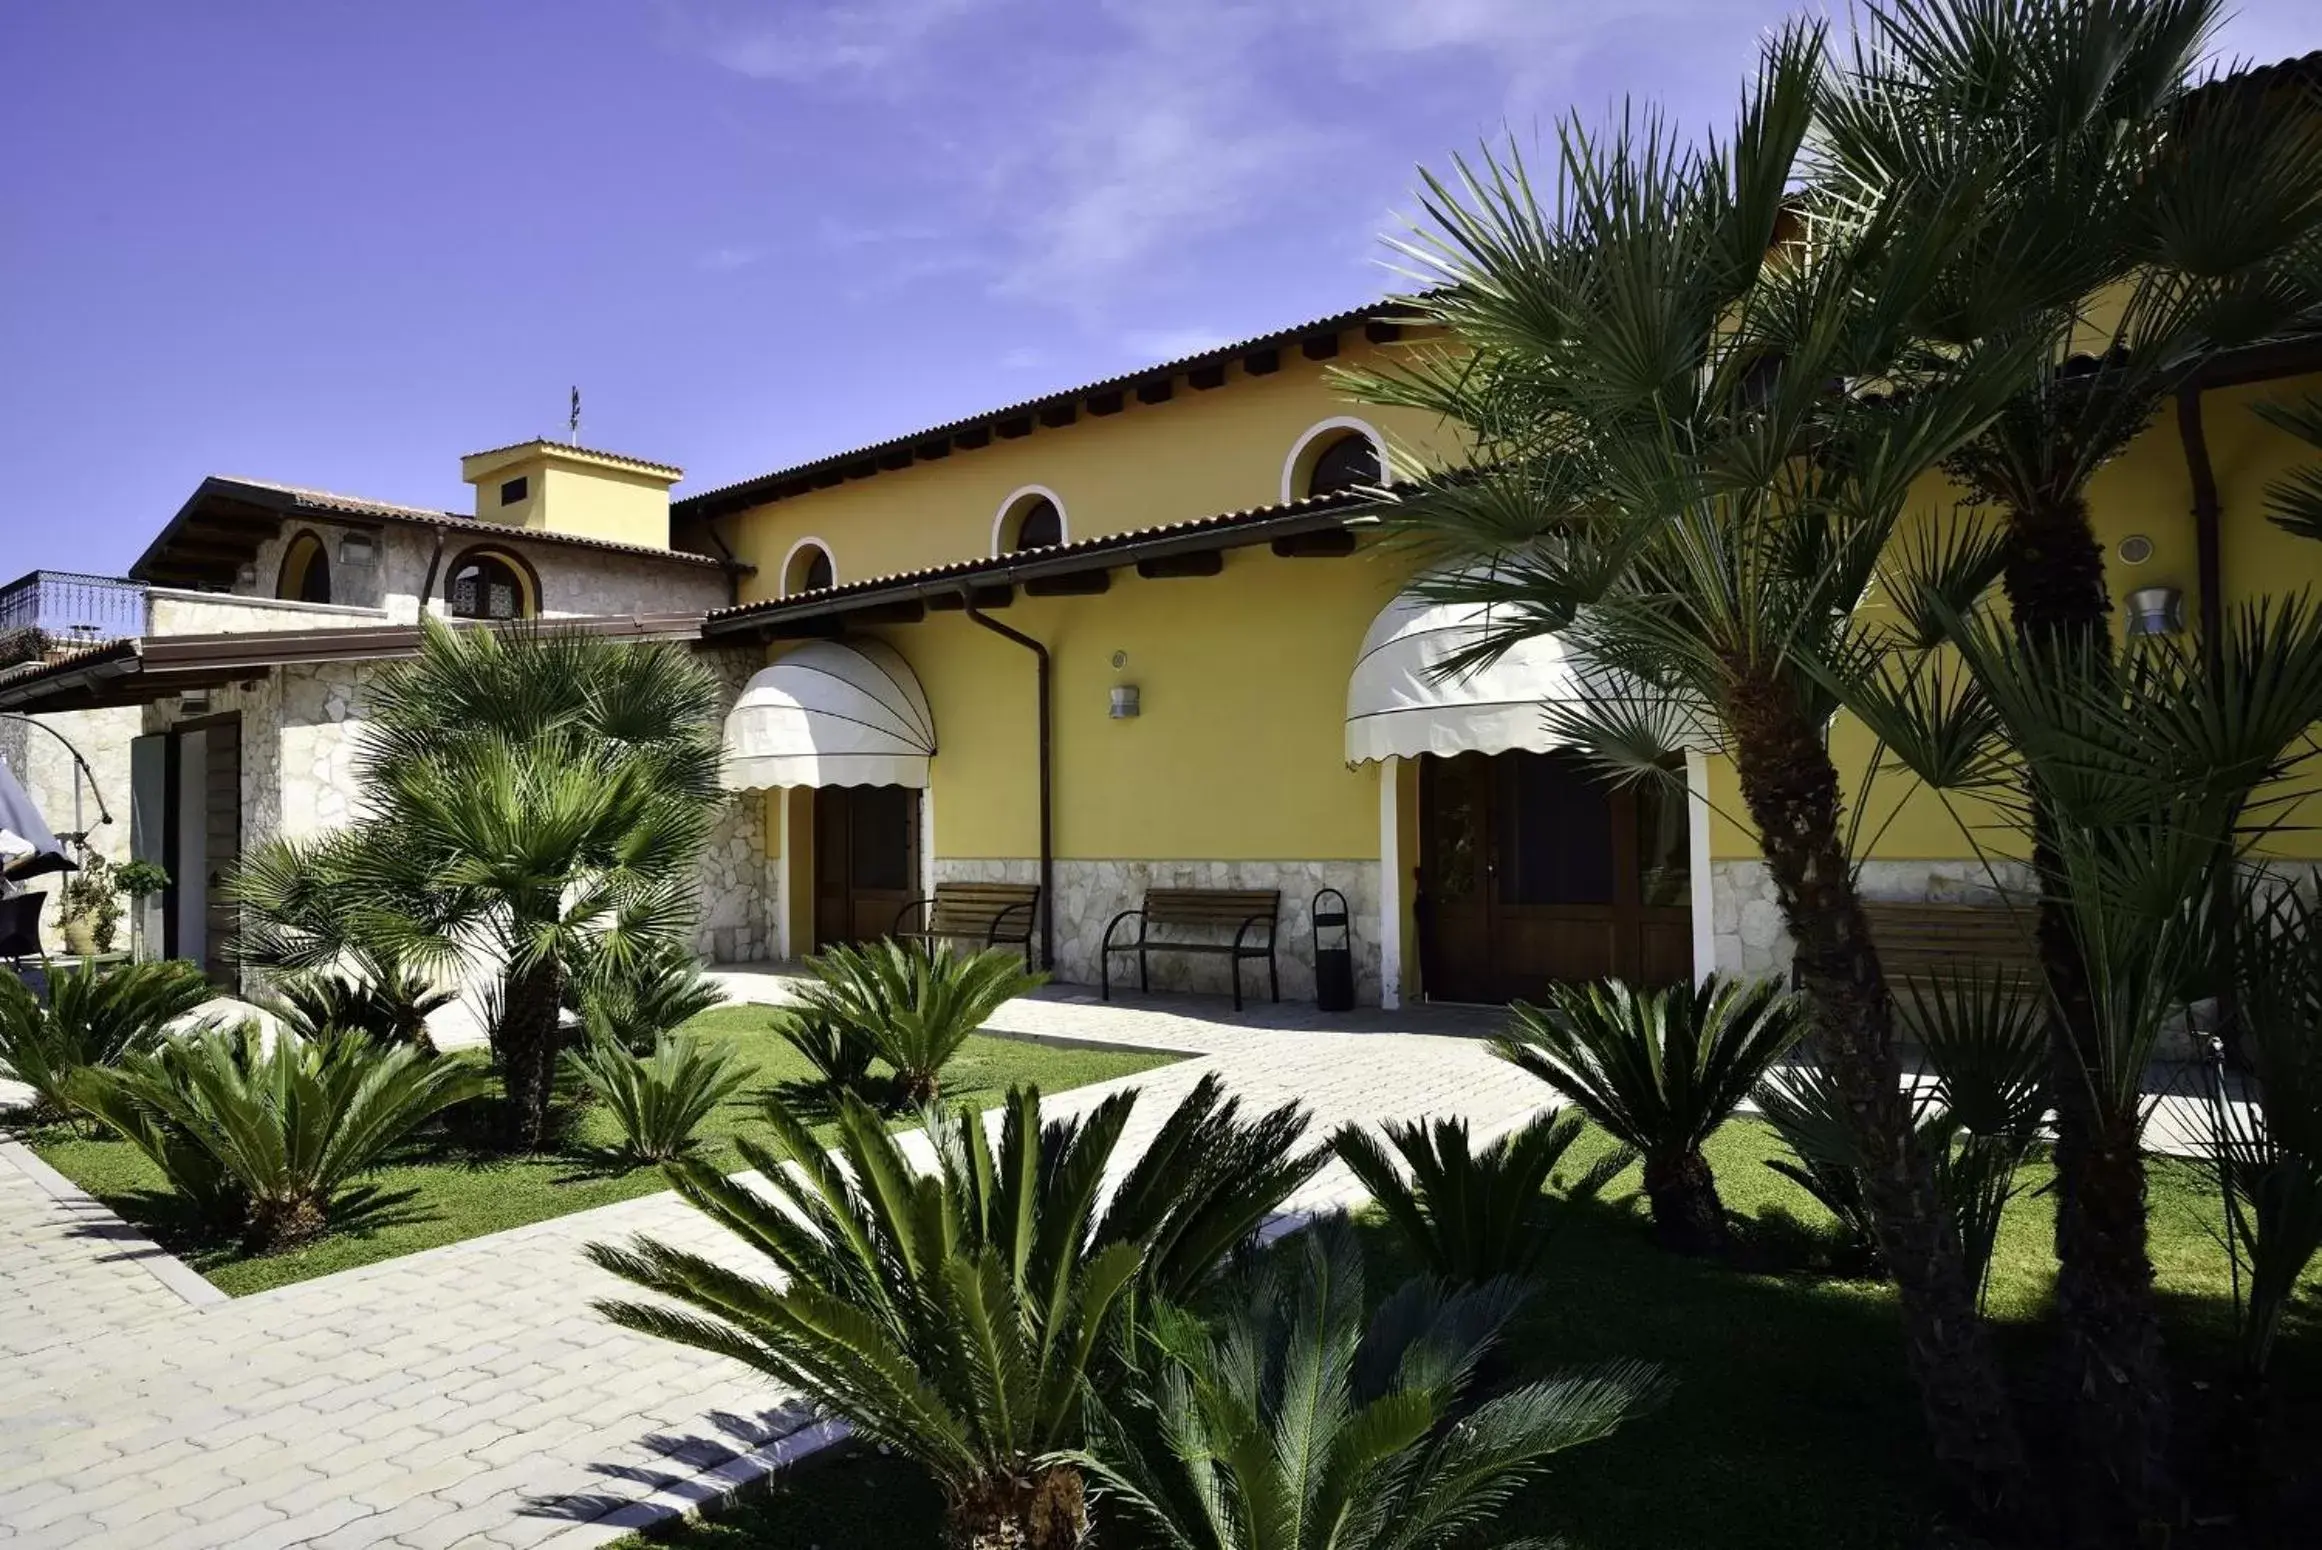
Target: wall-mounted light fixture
point(1124, 702)
point(194, 702)
point(357, 549)
point(2156, 611)
point(2135, 549)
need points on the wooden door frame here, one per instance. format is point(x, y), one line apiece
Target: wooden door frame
point(1405, 853)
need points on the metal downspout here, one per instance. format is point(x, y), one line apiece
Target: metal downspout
point(2209, 585)
point(1047, 807)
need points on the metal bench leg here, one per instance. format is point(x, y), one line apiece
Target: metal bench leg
point(1144, 970)
point(1273, 974)
point(1234, 967)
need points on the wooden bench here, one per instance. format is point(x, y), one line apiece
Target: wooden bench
point(1933, 942)
point(1243, 911)
point(989, 914)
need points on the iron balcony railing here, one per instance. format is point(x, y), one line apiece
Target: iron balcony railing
point(72, 608)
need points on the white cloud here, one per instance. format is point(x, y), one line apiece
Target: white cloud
point(788, 40)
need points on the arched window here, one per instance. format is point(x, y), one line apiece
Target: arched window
point(1332, 458)
point(1349, 463)
point(487, 584)
point(808, 569)
point(306, 571)
point(1041, 526)
point(1030, 518)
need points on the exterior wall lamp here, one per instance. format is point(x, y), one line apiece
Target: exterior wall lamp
point(1124, 704)
point(2156, 611)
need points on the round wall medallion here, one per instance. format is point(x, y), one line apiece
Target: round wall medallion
point(2135, 549)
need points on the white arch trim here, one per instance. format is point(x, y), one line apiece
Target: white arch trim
point(782, 576)
point(1318, 432)
point(1024, 497)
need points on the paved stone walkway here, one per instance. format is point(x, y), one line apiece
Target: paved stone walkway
point(467, 1395)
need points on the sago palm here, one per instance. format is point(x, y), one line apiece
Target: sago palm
point(1474, 1216)
point(956, 1314)
point(537, 801)
point(1301, 1423)
point(1660, 1071)
point(651, 993)
point(1700, 409)
point(285, 1124)
point(660, 1100)
point(912, 1006)
point(93, 1018)
point(391, 1003)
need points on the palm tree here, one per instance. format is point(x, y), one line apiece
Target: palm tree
point(1662, 473)
point(957, 1315)
point(2141, 222)
point(1660, 1071)
point(538, 800)
point(1301, 1425)
point(2144, 785)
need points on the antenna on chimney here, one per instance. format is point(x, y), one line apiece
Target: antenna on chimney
point(572, 423)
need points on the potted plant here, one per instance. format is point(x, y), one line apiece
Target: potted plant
point(141, 880)
point(90, 904)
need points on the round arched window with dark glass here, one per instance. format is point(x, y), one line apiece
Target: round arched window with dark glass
point(489, 586)
point(1349, 463)
point(810, 570)
point(1039, 525)
point(306, 571)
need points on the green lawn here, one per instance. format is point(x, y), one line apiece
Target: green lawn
point(438, 1191)
point(1793, 1424)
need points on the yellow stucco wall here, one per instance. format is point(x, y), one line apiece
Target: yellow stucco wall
point(2148, 491)
point(1239, 750)
point(573, 492)
point(1196, 455)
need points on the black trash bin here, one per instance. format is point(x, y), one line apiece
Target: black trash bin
point(1333, 953)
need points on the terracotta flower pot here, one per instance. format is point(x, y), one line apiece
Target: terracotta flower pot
point(80, 936)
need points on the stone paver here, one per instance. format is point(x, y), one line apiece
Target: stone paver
point(469, 1395)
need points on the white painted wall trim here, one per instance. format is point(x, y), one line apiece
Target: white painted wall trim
point(780, 817)
point(1697, 859)
point(1316, 432)
point(782, 576)
point(1390, 885)
point(1024, 496)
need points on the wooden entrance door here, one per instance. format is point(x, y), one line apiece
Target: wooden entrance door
point(1533, 871)
point(201, 823)
point(866, 860)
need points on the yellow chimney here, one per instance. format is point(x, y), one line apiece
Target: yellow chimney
point(550, 487)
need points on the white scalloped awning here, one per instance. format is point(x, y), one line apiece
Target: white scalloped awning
point(1397, 707)
point(830, 714)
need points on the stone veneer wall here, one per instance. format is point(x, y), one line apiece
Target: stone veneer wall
point(50, 777)
point(1746, 916)
point(738, 879)
point(1090, 893)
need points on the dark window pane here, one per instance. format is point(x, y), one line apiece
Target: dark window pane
point(1664, 849)
point(881, 841)
point(1346, 464)
point(814, 571)
point(514, 490)
point(315, 585)
point(1556, 841)
point(1041, 527)
point(1455, 818)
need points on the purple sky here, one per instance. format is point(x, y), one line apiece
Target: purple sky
point(339, 245)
